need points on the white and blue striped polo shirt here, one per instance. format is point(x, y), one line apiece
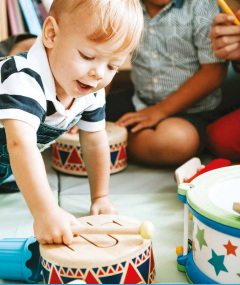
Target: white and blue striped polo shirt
point(27, 93)
point(175, 45)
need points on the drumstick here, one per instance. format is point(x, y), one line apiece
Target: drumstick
point(228, 10)
point(236, 207)
point(145, 230)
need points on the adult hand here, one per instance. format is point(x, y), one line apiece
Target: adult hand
point(146, 118)
point(225, 37)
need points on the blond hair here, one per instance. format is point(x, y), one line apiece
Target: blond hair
point(115, 19)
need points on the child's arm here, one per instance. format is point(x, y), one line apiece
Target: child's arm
point(208, 78)
point(96, 155)
point(51, 223)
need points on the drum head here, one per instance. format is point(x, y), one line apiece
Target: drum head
point(214, 193)
point(92, 250)
point(222, 195)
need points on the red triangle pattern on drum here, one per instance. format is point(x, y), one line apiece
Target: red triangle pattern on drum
point(152, 264)
point(79, 274)
point(55, 152)
point(122, 155)
point(90, 279)
point(132, 277)
point(75, 158)
point(110, 271)
point(54, 279)
point(119, 268)
point(70, 273)
point(62, 272)
point(101, 273)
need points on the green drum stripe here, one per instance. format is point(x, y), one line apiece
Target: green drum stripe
point(198, 198)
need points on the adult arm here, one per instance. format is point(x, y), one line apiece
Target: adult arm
point(199, 86)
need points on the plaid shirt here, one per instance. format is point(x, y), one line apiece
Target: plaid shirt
point(175, 45)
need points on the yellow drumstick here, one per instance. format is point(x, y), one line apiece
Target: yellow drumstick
point(228, 10)
point(145, 230)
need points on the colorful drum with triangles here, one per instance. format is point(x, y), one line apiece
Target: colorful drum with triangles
point(215, 254)
point(67, 153)
point(100, 259)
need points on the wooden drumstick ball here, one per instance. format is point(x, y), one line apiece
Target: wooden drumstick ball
point(145, 230)
point(236, 207)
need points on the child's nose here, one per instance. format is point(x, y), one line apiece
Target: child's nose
point(97, 72)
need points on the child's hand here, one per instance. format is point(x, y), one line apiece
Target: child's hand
point(146, 118)
point(74, 130)
point(54, 227)
point(103, 206)
point(225, 37)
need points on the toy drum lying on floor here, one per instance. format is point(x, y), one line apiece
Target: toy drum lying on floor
point(215, 254)
point(67, 153)
point(100, 259)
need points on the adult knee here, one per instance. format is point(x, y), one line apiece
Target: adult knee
point(181, 139)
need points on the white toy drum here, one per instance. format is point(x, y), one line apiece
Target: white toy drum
point(215, 254)
point(100, 259)
point(67, 153)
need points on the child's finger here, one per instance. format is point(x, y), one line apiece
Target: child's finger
point(74, 130)
point(94, 211)
point(49, 241)
point(58, 240)
point(74, 221)
point(68, 237)
point(42, 241)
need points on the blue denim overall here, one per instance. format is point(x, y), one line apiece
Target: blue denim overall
point(46, 136)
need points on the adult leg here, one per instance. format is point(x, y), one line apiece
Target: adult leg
point(174, 141)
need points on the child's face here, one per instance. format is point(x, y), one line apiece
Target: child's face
point(81, 66)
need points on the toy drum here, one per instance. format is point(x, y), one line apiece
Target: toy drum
point(67, 153)
point(215, 254)
point(100, 259)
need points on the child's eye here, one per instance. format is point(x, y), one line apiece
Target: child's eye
point(86, 57)
point(115, 68)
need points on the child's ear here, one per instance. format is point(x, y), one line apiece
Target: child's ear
point(50, 31)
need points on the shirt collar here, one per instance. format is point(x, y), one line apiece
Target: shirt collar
point(178, 3)
point(37, 57)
